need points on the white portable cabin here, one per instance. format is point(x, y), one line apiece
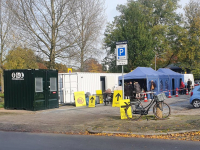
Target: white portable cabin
point(69, 83)
point(188, 76)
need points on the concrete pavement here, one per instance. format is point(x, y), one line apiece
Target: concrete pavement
point(101, 119)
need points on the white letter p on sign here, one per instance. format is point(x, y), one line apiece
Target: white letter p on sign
point(121, 51)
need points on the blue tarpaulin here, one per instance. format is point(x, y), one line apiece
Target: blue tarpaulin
point(174, 79)
point(161, 80)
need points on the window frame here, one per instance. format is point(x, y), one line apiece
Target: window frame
point(37, 83)
point(53, 81)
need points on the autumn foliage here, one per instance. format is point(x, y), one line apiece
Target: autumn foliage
point(92, 65)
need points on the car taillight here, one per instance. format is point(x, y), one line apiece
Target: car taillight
point(191, 93)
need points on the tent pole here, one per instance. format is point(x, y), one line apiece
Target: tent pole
point(155, 61)
point(122, 81)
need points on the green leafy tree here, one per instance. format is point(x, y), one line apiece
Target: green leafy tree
point(151, 28)
point(166, 27)
point(21, 58)
point(132, 26)
point(189, 55)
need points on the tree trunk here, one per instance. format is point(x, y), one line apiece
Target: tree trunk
point(1, 53)
point(2, 82)
point(53, 43)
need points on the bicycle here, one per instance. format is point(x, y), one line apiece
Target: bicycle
point(161, 110)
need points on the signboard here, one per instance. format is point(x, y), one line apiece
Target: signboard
point(69, 70)
point(92, 100)
point(117, 96)
point(123, 107)
point(80, 98)
point(99, 93)
point(122, 62)
point(122, 53)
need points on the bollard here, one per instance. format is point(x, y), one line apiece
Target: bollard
point(187, 91)
point(145, 98)
point(176, 92)
point(169, 94)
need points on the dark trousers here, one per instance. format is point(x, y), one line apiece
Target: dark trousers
point(188, 89)
point(151, 94)
point(181, 91)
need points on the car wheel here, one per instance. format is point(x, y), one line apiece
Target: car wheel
point(196, 103)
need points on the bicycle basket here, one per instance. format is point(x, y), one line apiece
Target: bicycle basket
point(160, 97)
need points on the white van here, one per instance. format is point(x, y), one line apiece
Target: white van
point(189, 76)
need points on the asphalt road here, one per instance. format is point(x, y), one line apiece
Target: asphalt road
point(33, 141)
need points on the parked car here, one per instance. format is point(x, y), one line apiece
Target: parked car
point(196, 82)
point(195, 97)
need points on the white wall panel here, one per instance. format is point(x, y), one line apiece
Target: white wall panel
point(82, 81)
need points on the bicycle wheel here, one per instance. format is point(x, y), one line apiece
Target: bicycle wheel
point(161, 110)
point(136, 112)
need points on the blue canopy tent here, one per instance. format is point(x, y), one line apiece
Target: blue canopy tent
point(174, 79)
point(147, 74)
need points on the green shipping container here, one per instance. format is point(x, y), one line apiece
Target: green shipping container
point(31, 89)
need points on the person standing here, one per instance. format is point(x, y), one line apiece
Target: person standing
point(152, 88)
point(137, 89)
point(189, 84)
point(182, 86)
point(126, 92)
point(130, 88)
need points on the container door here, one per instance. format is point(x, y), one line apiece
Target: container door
point(69, 87)
point(51, 89)
point(40, 90)
point(102, 80)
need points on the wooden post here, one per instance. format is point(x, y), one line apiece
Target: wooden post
point(158, 110)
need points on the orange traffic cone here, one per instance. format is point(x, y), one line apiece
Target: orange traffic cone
point(169, 94)
point(187, 91)
point(145, 98)
point(176, 92)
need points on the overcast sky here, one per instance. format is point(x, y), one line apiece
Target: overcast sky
point(111, 5)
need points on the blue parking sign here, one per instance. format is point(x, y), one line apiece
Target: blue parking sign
point(122, 54)
point(121, 51)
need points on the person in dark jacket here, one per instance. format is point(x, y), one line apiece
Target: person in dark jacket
point(128, 89)
point(189, 84)
point(125, 89)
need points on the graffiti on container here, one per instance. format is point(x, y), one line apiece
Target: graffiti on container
point(17, 76)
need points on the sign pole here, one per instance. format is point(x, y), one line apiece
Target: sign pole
point(122, 58)
point(123, 82)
